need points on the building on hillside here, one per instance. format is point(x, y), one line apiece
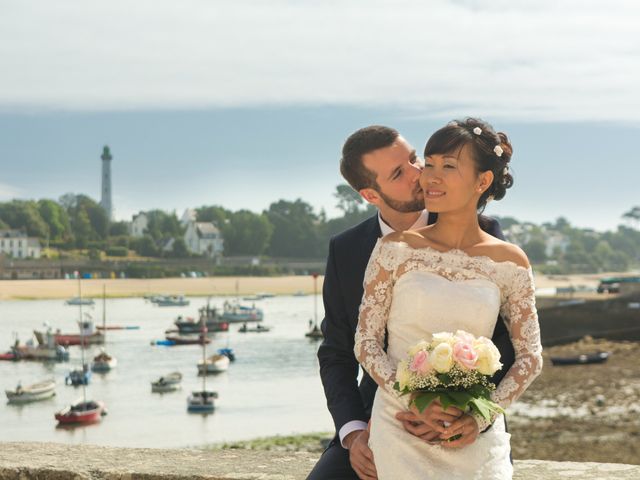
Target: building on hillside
point(555, 242)
point(188, 216)
point(204, 238)
point(16, 244)
point(138, 225)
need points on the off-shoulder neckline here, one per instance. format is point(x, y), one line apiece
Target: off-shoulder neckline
point(460, 252)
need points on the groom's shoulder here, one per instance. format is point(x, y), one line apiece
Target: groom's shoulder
point(364, 229)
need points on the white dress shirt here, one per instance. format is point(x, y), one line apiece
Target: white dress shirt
point(354, 425)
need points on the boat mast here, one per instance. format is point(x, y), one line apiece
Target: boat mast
point(204, 358)
point(84, 387)
point(104, 313)
point(315, 300)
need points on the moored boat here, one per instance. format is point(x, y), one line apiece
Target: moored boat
point(78, 377)
point(583, 359)
point(214, 364)
point(87, 336)
point(81, 412)
point(32, 393)
point(187, 340)
point(201, 401)
point(80, 301)
point(234, 312)
point(171, 301)
point(103, 362)
point(167, 383)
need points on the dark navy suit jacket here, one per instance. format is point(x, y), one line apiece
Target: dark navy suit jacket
point(342, 292)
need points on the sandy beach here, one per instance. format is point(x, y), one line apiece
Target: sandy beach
point(285, 285)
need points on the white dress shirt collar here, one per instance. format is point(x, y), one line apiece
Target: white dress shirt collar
point(422, 221)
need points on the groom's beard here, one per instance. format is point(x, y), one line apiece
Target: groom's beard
point(414, 205)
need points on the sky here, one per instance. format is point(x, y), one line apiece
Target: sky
point(242, 103)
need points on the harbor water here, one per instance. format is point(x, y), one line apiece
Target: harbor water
point(273, 387)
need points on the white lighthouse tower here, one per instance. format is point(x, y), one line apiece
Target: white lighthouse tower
point(105, 202)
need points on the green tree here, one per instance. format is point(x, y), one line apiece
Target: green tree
point(246, 233)
point(118, 229)
point(24, 215)
point(57, 220)
point(145, 246)
point(295, 230)
point(179, 248)
point(535, 250)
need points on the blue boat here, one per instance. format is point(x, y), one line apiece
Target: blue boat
point(78, 377)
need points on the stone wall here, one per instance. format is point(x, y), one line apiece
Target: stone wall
point(52, 461)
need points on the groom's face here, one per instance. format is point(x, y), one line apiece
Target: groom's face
point(397, 172)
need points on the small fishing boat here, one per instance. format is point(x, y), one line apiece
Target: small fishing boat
point(167, 383)
point(32, 393)
point(583, 359)
point(87, 336)
point(315, 333)
point(171, 301)
point(201, 401)
point(257, 329)
point(78, 377)
point(188, 340)
point(8, 356)
point(299, 293)
point(214, 364)
point(209, 315)
point(81, 412)
point(47, 349)
point(234, 312)
point(80, 301)
point(103, 362)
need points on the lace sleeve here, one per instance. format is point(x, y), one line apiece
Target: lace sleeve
point(374, 312)
point(519, 311)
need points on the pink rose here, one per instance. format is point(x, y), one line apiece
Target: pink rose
point(465, 355)
point(420, 363)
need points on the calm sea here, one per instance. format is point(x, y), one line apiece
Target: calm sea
point(272, 388)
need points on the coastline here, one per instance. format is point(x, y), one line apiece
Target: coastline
point(215, 286)
point(135, 287)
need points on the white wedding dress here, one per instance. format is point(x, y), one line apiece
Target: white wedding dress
point(412, 293)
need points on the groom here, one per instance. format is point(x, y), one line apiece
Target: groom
point(380, 165)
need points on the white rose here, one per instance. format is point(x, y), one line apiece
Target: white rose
point(403, 375)
point(488, 358)
point(442, 358)
point(442, 337)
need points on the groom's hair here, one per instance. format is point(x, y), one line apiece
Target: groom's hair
point(360, 143)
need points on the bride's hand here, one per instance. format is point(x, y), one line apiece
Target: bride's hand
point(466, 426)
point(432, 419)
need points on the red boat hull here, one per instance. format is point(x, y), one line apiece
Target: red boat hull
point(65, 340)
point(69, 416)
point(7, 356)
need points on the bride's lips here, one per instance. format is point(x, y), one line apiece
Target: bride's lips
point(434, 194)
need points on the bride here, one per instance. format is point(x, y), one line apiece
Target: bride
point(446, 277)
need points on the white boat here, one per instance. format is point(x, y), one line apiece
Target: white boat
point(32, 393)
point(167, 383)
point(80, 301)
point(171, 301)
point(234, 312)
point(214, 364)
point(103, 362)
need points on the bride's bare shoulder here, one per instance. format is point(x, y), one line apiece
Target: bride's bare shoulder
point(502, 251)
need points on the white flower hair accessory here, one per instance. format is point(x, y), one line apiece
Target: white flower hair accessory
point(477, 131)
point(498, 150)
point(505, 170)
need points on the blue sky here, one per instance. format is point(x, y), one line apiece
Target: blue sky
point(243, 103)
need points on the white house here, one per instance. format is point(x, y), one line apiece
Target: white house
point(555, 241)
point(204, 238)
point(139, 225)
point(16, 244)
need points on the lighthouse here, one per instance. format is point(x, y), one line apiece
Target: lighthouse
point(105, 202)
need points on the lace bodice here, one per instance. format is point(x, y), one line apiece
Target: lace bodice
point(410, 293)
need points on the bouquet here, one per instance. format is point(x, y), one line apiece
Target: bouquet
point(455, 368)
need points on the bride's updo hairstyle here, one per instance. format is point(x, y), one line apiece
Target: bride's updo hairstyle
point(491, 150)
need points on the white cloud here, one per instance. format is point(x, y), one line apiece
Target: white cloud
point(549, 60)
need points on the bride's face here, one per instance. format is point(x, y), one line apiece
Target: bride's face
point(452, 182)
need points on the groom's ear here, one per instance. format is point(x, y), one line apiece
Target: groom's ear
point(370, 195)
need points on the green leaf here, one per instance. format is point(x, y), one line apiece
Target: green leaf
point(423, 400)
